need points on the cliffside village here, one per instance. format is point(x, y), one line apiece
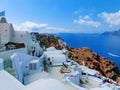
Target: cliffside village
point(52, 70)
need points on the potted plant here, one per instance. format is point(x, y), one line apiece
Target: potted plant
point(45, 65)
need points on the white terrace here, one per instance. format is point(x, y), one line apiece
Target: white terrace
point(56, 73)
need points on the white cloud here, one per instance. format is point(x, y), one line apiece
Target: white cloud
point(113, 19)
point(28, 26)
point(86, 20)
point(42, 28)
point(32, 24)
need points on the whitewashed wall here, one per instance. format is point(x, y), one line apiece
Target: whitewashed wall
point(1, 64)
point(6, 54)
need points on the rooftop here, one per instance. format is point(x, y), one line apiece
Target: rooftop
point(54, 73)
point(57, 77)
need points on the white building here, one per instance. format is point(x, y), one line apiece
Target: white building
point(8, 34)
point(6, 31)
point(56, 57)
point(25, 65)
point(75, 77)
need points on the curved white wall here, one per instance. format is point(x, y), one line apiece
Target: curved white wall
point(1, 64)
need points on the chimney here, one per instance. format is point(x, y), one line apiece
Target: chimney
point(3, 20)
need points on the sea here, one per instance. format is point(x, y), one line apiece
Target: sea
point(105, 45)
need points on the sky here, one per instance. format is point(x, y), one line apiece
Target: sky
point(63, 16)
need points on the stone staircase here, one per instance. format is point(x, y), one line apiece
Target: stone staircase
point(11, 71)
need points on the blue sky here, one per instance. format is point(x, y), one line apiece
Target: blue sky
point(63, 16)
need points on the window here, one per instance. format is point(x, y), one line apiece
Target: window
point(32, 66)
point(21, 35)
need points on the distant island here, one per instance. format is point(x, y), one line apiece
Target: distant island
point(117, 32)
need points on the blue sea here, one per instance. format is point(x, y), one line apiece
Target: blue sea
point(105, 45)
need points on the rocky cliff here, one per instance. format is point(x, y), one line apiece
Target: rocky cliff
point(90, 58)
point(47, 40)
point(94, 61)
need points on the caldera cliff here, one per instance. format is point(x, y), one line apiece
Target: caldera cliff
point(94, 61)
point(91, 59)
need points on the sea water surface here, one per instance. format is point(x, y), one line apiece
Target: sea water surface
point(105, 45)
